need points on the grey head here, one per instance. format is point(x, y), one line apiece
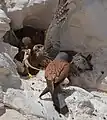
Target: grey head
point(83, 63)
point(62, 56)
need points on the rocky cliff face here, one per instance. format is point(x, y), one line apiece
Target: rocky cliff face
point(86, 24)
point(35, 13)
point(84, 31)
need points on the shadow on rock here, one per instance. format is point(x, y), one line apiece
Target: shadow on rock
point(10, 81)
point(2, 109)
point(68, 92)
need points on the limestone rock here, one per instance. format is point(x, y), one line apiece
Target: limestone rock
point(9, 49)
point(9, 76)
point(12, 115)
point(4, 23)
point(81, 104)
point(2, 109)
point(28, 104)
point(30, 117)
point(83, 31)
point(86, 107)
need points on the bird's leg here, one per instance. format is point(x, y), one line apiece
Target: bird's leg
point(59, 101)
point(46, 90)
point(50, 85)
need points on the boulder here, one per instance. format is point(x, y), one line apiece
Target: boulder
point(29, 104)
point(8, 73)
point(81, 104)
point(35, 13)
point(12, 115)
point(9, 49)
point(4, 24)
point(84, 31)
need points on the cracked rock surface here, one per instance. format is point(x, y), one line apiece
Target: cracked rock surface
point(19, 97)
point(23, 103)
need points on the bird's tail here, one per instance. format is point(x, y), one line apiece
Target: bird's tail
point(46, 90)
point(49, 88)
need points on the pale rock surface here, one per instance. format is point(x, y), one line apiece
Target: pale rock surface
point(82, 104)
point(9, 49)
point(85, 29)
point(2, 109)
point(12, 115)
point(25, 104)
point(8, 74)
point(4, 24)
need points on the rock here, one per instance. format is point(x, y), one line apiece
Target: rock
point(81, 104)
point(9, 49)
point(84, 104)
point(2, 109)
point(20, 100)
point(80, 21)
point(12, 115)
point(1, 94)
point(28, 104)
point(84, 31)
point(13, 51)
point(4, 23)
point(8, 74)
point(30, 117)
point(86, 107)
point(7, 62)
point(35, 13)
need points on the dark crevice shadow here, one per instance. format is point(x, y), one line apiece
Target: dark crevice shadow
point(68, 92)
point(46, 99)
point(91, 89)
point(3, 111)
